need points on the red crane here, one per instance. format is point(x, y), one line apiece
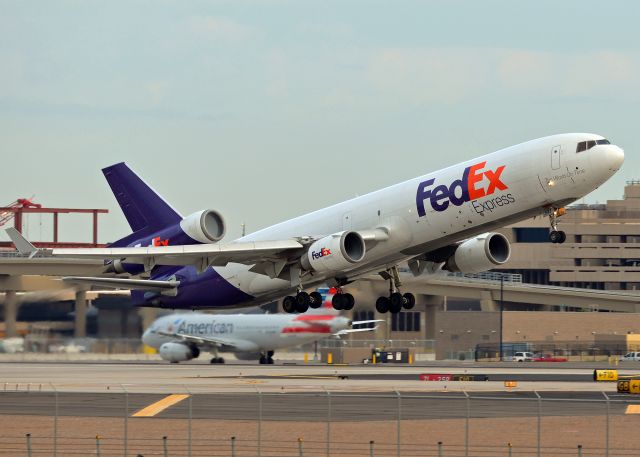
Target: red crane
point(6, 216)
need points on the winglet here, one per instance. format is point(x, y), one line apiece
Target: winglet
point(23, 245)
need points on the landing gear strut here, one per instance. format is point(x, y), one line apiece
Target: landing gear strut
point(396, 301)
point(556, 236)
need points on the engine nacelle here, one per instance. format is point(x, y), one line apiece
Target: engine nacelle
point(206, 226)
point(335, 252)
point(480, 253)
point(178, 352)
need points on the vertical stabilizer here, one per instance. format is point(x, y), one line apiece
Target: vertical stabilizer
point(144, 209)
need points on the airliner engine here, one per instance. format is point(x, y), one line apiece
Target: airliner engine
point(334, 252)
point(480, 253)
point(177, 352)
point(206, 226)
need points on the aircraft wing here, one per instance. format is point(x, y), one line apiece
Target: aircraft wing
point(268, 257)
point(163, 287)
point(200, 340)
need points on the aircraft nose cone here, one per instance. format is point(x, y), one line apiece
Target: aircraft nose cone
point(615, 157)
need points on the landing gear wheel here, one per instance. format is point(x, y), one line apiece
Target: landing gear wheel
point(338, 301)
point(217, 360)
point(557, 236)
point(316, 300)
point(302, 302)
point(563, 237)
point(289, 304)
point(269, 361)
point(262, 360)
point(382, 305)
point(270, 357)
point(396, 300)
point(349, 302)
point(409, 301)
point(394, 309)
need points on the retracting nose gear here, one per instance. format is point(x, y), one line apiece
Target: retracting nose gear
point(556, 236)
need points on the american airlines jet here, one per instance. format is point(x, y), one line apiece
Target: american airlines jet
point(182, 337)
point(442, 219)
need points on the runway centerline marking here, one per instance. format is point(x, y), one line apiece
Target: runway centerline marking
point(161, 405)
point(633, 409)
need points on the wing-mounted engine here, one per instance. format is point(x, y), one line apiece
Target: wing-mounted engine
point(178, 352)
point(480, 253)
point(334, 252)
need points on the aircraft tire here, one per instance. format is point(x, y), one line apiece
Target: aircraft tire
point(316, 300)
point(289, 304)
point(269, 361)
point(302, 302)
point(395, 302)
point(557, 236)
point(409, 301)
point(349, 302)
point(262, 360)
point(563, 237)
point(220, 360)
point(382, 305)
point(337, 301)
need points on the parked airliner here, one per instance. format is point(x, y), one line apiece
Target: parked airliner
point(444, 219)
point(181, 337)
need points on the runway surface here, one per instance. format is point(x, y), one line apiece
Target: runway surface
point(314, 406)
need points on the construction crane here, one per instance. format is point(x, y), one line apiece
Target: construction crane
point(20, 203)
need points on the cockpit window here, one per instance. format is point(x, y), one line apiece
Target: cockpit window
point(584, 145)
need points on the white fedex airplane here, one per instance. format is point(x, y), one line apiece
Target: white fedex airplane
point(181, 337)
point(443, 218)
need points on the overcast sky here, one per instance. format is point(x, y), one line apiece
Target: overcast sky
point(268, 109)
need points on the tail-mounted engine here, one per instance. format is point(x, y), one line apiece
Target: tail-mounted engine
point(479, 254)
point(206, 226)
point(334, 252)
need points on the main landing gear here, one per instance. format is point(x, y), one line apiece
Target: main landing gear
point(266, 358)
point(217, 360)
point(342, 300)
point(556, 236)
point(301, 302)
point(396, 301)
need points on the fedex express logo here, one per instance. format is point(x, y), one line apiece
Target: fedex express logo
point(323, 252)
point(475, 183)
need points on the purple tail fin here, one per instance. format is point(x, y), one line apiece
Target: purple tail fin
point(144, 209)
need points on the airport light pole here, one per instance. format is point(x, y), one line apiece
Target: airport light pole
point(501, 315)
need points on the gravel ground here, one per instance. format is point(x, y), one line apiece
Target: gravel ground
point(487, 437)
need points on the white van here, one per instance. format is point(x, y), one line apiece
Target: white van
point(631, 357)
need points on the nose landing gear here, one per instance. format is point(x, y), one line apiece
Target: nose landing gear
point(556, 236)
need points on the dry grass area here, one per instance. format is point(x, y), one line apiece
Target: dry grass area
point(487, 436)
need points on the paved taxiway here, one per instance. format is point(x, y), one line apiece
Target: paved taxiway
point(166, 378)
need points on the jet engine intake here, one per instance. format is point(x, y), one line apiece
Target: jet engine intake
point(335, 252)
point(480, 253)
point(178, 352)
point(206, 226)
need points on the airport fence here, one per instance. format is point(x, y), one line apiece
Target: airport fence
point(249, 422)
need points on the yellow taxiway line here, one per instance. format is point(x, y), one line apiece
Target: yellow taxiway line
point(161, 405)
point(633, 409)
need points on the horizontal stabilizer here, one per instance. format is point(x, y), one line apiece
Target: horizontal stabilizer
point(163, 287)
